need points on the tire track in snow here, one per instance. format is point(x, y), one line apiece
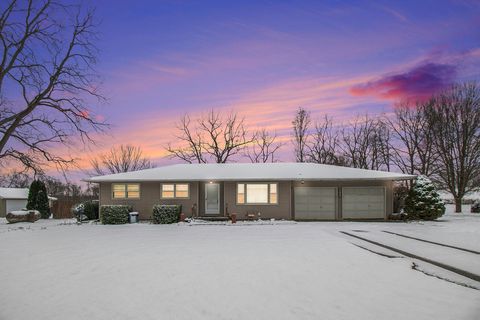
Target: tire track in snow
point(461, 272)
point(432, 242)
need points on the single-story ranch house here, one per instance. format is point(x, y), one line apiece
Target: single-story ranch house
point(300, 191)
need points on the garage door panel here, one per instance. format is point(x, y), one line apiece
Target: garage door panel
point(14, 205)
point(316, 203)
point(363, 203)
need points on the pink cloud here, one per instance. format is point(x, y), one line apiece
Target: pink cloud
point(418, 83)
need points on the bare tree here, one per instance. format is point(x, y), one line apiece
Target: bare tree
point(47, 60)
point(122, 159)
point(383, 144)
point(324, 144)
point(301, 125)
point(412, 146)
point(211, 138)
point(15, 179)
point(454, 117)
point(365, 143)
point(264, 148)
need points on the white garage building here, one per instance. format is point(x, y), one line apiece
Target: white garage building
point(12, 199)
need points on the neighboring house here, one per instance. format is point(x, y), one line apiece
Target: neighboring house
point(300, 191)
point(12, 199)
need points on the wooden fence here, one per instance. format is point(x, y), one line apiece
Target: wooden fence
point(61, 208)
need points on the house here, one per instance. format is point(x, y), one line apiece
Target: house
point(300, 191)
point(12, 199)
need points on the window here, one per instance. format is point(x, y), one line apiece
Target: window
point(257, 193)
point(273, 193)
point(175, 190)
point(168, 191)
point(181, 191)
point(126, 191)
point(240, 193)
point(133, 191)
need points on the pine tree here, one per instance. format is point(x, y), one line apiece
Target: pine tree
point(38, 199)
point(32, 195)
point(423, 201)
point(42, 204)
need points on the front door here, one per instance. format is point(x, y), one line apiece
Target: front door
point(212, 198)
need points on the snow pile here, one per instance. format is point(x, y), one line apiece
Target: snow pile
point(20, 212)
point(287, 271)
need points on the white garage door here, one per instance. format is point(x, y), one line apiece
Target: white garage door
point(363, 203)
point(13, 205)
point(315, 203)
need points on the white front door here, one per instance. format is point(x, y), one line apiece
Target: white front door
point(212, 198)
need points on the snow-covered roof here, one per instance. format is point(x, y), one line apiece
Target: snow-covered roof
point(14, 193)
point(17, 193)
point(250, 172)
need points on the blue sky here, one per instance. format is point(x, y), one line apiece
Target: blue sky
point(264, 59)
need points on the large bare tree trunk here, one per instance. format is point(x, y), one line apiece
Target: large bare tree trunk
point(458, 205)
point(412, 144)
point(47, 60)
point(455, 120)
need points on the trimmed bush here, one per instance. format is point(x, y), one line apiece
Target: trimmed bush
point(164, 214)
point(423, 201)
point(114, 214)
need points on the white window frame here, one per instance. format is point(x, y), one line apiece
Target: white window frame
point(175, 190)
point(245, 194)
point(125, 188)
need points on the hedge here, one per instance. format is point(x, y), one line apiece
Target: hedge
point(166, 213)
point(114, 214)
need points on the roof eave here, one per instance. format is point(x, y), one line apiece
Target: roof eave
point(254, 179)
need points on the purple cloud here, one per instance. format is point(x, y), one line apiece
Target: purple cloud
point(419, 83)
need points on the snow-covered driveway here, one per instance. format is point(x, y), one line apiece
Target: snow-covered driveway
point(284, 271)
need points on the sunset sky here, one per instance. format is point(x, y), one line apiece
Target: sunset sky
point(264, 59)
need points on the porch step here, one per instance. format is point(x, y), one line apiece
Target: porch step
point(210, 218)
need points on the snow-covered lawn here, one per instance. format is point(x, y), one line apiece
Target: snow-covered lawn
point(58, 270)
